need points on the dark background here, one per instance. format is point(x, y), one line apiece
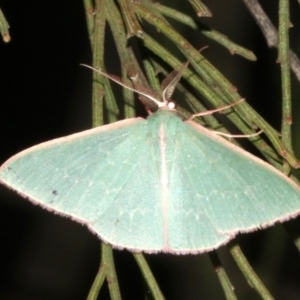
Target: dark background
point(45, 94)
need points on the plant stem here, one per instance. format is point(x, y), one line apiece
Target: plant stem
point(210, 33)
point(107, 262)
point(99, 279)
point(270, 32)
point(89, 10)
point(252, 278)
point(283, 58)
point(132, 25)
point(111, 275)
point(98, 54)
point(223, 277)
point(148, 276)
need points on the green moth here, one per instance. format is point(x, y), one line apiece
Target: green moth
point(154, 185)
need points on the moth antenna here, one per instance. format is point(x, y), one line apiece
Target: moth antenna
point(170, 82)
point(118, 81)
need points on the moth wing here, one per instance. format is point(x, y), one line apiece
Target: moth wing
point(218, 190)
point(105, 178)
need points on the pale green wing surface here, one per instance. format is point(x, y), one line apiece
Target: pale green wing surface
point(105, 177)
point(154, 185)
point(218, 190)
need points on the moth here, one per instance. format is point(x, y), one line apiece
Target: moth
point(159, 184)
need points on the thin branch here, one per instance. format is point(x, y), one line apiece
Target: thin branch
point(99, 279)
point(223, 277)
point(201, 9)
point(148, 276)
point(90, 11)
point(111, 275)
point(270, 32)
point(128, 61)
point(98, 57)
point(252, 278)
point(208, 32)
point(283, 58)
point(97, 40)
point(132, 24)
